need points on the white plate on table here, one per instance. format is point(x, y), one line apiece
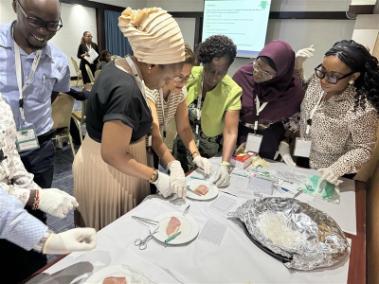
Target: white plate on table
point(119, 270)
point(189, 228)
point(211, 194)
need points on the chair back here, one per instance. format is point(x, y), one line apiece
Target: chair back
point(90, 74)
point(76, 65)
point(61, 111)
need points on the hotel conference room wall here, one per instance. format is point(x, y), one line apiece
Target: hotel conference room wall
point(322, 33)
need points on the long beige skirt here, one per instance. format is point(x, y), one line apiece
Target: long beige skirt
point(104, 193)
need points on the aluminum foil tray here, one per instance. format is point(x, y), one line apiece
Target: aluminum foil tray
point(299, 235)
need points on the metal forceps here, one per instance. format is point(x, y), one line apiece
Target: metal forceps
point(142, 242)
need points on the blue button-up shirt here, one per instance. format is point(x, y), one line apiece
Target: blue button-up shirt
point(52, 74)
point(17, 225)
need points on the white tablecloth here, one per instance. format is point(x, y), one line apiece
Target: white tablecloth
point(222, 253)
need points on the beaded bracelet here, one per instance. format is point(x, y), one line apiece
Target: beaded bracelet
point(36, 200)
point(30, 201)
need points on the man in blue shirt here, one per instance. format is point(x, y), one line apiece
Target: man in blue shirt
point(31, 70)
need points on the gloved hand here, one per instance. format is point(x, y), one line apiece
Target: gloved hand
point(177, 179)
point(163, 184)
point(77, 239)
point(56, 202)
point(284, 151)
point(203, 164)
point(222, 178)
point(328, 175)
point(302, 55)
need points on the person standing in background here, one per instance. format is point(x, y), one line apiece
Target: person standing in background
point(88, 53)
point(31, 70)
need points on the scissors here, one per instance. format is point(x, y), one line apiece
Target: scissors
point(142, 243)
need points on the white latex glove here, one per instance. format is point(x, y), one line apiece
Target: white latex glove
point(56, 202)
point(177, 179)
point(163, 184)
point(203, 164)
point(284, 151)
point(222, 178)
point(302, 55)
point(77, 239)
point(328, 175)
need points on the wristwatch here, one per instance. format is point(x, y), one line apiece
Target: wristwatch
point(39, 246)
point(154, 177)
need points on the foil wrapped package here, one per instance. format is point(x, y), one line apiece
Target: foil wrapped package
point(299, 235)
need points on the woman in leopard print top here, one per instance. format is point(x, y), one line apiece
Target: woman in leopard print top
point(344, 95)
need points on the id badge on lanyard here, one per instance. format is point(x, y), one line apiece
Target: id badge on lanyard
point(302, 145)
point(26, 136)
point(26, 139)
point(254, 140)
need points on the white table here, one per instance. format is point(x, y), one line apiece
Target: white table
point(233, 259)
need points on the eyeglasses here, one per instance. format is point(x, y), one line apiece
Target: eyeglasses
point(259, 69)
point(34, 22)
point(331, 77)
point(181, 79)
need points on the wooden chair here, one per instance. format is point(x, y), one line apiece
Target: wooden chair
point(90, 74)
point(79, 118)
point(61, 113)
point(78, 72)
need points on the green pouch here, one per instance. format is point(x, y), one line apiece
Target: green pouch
point(317, 186)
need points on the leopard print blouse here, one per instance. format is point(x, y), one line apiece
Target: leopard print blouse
point(341, 138)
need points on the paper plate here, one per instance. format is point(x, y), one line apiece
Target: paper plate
point(189, 229)
point(212, 190)
point(120, 270)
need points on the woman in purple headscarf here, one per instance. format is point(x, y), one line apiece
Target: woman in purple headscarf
point(272, 93)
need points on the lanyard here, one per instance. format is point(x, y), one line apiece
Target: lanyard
point(163, 113)
point(312, 113)
point(139, 82)
point(259, 108)
point(89, 47)
point(200, 98)
point(19, 75)
point(198, 110)
point(140, 85)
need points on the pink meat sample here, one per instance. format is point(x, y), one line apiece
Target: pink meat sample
point(173, 226)
point(202, 189)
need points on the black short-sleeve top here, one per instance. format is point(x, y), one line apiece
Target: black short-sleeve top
point(116, 96)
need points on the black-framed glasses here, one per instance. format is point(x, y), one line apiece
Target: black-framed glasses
point(331, 78)
point(34, 22)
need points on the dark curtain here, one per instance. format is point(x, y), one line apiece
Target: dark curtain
point(115, 42)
